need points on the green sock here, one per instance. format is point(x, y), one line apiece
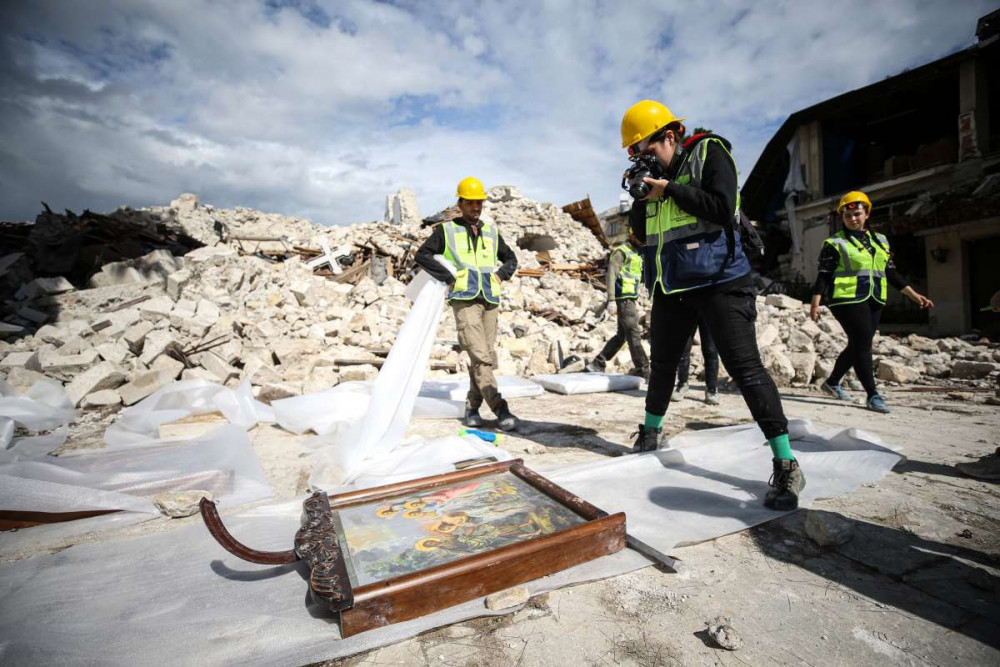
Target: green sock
point(655, 421)
point(780, 447)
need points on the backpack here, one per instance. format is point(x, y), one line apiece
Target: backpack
point(753, 245)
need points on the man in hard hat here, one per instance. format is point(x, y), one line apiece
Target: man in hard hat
point(623, 278)
point(474, 248)
point(696, 269)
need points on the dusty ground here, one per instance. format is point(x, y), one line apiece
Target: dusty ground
point(898, 593)
point(919, 584)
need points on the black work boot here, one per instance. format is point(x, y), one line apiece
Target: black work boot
point(472, 418)
point(597, 365)
point(786, 483)
point(648, 440)
point(505, 420)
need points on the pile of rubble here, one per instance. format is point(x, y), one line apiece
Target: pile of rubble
point(296, 307)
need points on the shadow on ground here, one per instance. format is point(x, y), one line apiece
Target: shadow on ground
point(941, 583)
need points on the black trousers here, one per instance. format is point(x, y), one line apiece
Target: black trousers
point(708, 352)
point(628, 332)
point(729, 315)
point(860, 321)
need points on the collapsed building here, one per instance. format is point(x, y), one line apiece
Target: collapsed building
point(922, 144)
point(228, 295)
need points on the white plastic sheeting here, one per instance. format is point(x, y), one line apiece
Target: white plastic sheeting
point(44, 407)
point(587, 383)
point(221, 461)
point(712, 482)
point(361, 426)
point(179, 599)
point(141, 422)
point(456, 390)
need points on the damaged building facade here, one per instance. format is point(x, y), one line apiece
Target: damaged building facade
point(922, 145)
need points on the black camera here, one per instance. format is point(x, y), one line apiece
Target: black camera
point(642, 166)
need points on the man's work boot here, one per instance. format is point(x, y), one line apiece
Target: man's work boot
point(472, 418)
point(648, 439)
point(679, 392)
point(786, 483)
point(506, 421)
point(711, 397)
point(596, 366)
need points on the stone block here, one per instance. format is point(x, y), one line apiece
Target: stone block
point(783, 302)
point(168, 364)
point(320, 379)
point(895, 371)
point(101, 399)
point(143, 385)
point(767, 335)
point(276, 391)
point(176, 282)
point(972, 370)
point(804, 364)
point(156, 309)
point(155, 344)
point(361, 372)
point(114, 351)
point(215, 365)
point(44, 287)
point(135, 336)
point(32, 315)
point(22, 378)
point(17, 359)
point(799, 341)
point(104, 375)
point(52, 361)
point(828, 529)
point(511, 597)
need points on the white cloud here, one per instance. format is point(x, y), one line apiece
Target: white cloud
point(118, 101)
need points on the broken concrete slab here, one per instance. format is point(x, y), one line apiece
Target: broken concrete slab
point(104, 375)
point(144, 384)
point(101, 399)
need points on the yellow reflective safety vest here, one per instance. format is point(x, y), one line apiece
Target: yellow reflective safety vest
point(476, 266)
point(682, 251)
point(630, 273)
point(860, 274)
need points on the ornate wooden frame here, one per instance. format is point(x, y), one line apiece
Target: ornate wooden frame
point(417, 594)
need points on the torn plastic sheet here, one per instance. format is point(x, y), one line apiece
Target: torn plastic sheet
point(221, 461)
point(141, 422)
point(44, 407)
point(456, 390)
point(33, 447)
point(179, 598)
point(587, 383)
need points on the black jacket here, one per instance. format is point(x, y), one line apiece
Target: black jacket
point(714, 201)
point(435, 244)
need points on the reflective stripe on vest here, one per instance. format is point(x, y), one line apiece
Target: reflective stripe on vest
point(629, 275)
point(476, 267)
point(860, 274)
point(666, 222)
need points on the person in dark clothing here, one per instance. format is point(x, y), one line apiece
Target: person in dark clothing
point(855, 266)
point(473, 248)
point(622, 285)
point(696, 270)
point(711, 357)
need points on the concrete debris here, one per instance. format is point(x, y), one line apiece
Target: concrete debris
point(828, 529)
point(722, 632)
point(511, 597)
point(233, 294)
point(178, 504)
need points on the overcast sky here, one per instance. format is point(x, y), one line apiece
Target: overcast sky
point(320, 109)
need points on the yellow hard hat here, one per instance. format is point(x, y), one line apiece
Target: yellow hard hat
point(471, 188)
point(643, 119)
point(852, 197)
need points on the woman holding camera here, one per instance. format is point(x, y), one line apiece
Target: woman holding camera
point(855, 267)
point(695, 268)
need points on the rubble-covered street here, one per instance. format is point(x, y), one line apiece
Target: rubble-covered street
point(904, 570)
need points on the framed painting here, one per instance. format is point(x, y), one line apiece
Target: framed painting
point(392, 553)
